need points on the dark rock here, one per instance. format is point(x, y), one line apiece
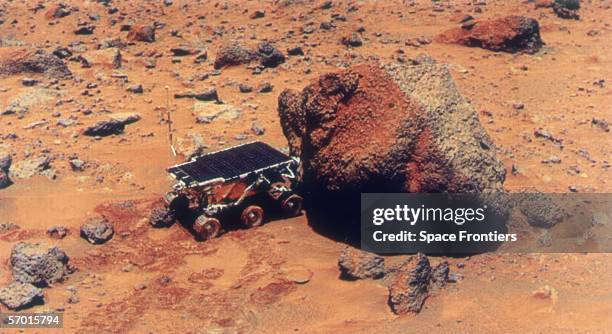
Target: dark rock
point(161, 217)
point(600, 123)
point(357, 264)
point(23, 60)
point(5, 181)
point(542, 210)
point(541, 133)
point(62, 52)
point(126, 117)
point(295, 51)
point(136, 89)
point(326, 25)
point(409, 285)
point(57, 232)
point(139, 33)
point(105, 128)
point(39, 264)
point(564, 12)
point(208, 95)
point(85, 30)
point(508, 34)
point(18, 296)
point(257, 14)
point(352, 40)
point(5, 161)
point(182, 51)
point(269, 55)
point(244, 88)
point(97, 230)
point(439, 275)
point(233, 53)
point(266, 87)
point(567, 4)
point(29, 82)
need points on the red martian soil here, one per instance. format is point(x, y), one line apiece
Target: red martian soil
point(550, 106)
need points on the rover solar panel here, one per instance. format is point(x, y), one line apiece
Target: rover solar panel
point(229, 164)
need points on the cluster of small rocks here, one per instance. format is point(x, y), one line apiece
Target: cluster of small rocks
point(409, 282)
point(34, 266)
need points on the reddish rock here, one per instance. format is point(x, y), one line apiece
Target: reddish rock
point(139, 33)
point(508, 34)
point(398, 128)
point(357, 264)
point(409, 285)
point(234, 53)
point(543, 3)
point(57, 11)
point(18, 60)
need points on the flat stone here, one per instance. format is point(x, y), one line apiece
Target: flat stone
point(18, 296)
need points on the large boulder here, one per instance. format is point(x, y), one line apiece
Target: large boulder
point(18, 60)
point(391, 128)
point(508, 34)
point(39, 264)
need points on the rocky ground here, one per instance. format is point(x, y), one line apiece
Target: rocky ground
point(85, 88)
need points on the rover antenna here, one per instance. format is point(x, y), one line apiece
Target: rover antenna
point(169, 121)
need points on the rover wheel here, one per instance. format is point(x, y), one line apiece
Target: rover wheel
point(206, 228)
point(252, 216)
point(179, 204)
point(292, 205)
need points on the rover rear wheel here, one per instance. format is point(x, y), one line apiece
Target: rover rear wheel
point(292, 205)
point(252, 216)
point(178, 203)
point(206, 228)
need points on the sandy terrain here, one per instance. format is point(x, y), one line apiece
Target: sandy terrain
point(161, 280)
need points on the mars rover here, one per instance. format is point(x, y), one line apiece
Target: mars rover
point(231, 185)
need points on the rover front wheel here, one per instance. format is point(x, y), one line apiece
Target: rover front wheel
point(292, 205)
point(252, 216)
point(206, 228)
